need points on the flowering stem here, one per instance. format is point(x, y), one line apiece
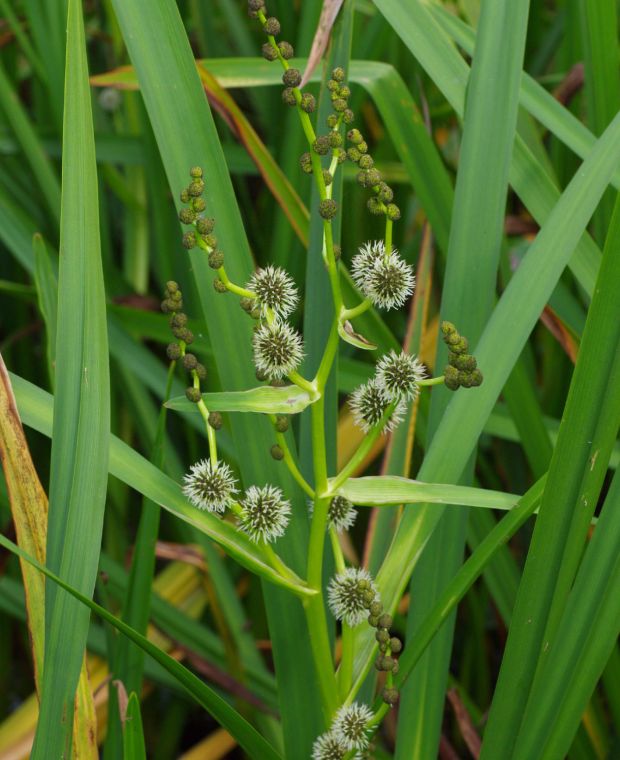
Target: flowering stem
point(290, 462)
point(243, 292)
point(388, 235)
point(328, 357)
point(362, 452)
point(345, 671)
point(432, 381)
point(302, 383)
point(356, 310)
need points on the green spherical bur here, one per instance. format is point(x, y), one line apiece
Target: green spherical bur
point(288, 96)
point(375, 206)
point(365, 161)
point(210, 240)
point(186, 216)
point(451, 378)
point(382, 636)
point(393, 212)
point(199, 205)
point(216, 259)
point(385, 194)
point(339, 105)
point(332, 85)
point(219, 286)
point(376, 608)
point(338, 74)
point(373, 620)
point(308, 102)
point(277, 453)
point(390, 696)
point(196, 188)
point(353, 154)
point(189, 240)
point(327, 178)
point(396, 645)
point(195, 172)
point(305, 162)
point(385, 621)
point(201, 371)
point(178, 320)
point(328, 208)
point(173, 351)
point(187, 336)
point(247, 304)
point(286, 50)
point(193, 395)
point(204, 225)
point(215, 420)
point(348, 116)
point(292, 77)
point(321, 145)
point(189, 362)
point(332, 121)
point(281, 423)
point(269, 52)
point(272, 26)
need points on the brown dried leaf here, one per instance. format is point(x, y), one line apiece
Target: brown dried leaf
point(321, 36)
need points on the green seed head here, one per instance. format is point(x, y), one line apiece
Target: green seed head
point(196, 188)
point(286, 50)
point(272, 26)
point(193, 395)
point(199, 205)
point(186, 215)
point(216, 259)
point(328, 208)
point(393, 212)
point(308, 103)
point(190, 362)
point(219, 286)
point(292, 77)
point(269, 52)
point(189, 240)
point(281, 424)
point(173, 351)
point(215, 420)
point(288, 96)
point(277, 453)
point(195, 172)
point(205, 226)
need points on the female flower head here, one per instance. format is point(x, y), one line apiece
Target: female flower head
point(278, 349)
point(369, 403)
point(210, 485)
point(328, 747)
point(399, 375)
point(350, 594)
point(265, 513)
point(382, 276)
point(274, 290)
point(351, 725)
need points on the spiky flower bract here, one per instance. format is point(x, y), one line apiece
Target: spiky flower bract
point(341, 513)
point(274, 289)
point(328, 747)
point(363, 262)
point(210, 486)
point(350, 725)
point(349, 595)
point(265, 513)
point(278, 349)
point(399, 375)
point(390, 281)
point(368, 404)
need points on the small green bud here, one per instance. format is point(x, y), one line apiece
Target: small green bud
point(393, 212)
point(173, 351)
point(365, 161)
point(190, 362)
point(216, 259)
point(184, 196)
point(277, 382)
point(167, 306)
point(373, 620)
point(256, 5)
point(373, 176)
point(337, 252)
point(385, 194)
point(354, 154)
point(269, 52)
point(205, 226)
point(379, 662)
point(465, 379)
point(390, 696)
point(348, 116)
point(246, 304)
point(464, 362)
point(344, 92)
point(272, 26)
point(447, 328)
point(342, 156)
point(189, 240)
point(321, 145)
point(201, 371)
point(332, 85)
point(451, 378)
point(332, 121)
point(195, 172)
point(171, 286)
point(261, 376)
point(187, 336)
point(339, 105)
point(335, 139)
point(368, 596)
point(256, 313)
point(328, 208)
point(288, 96)
point(199, 205)
point(375, 206)
point(376, 608)
point(178, 320)
point(277, 453)
point(396, 645)
point(219, 286)
point(177, 297)
point(382, 636)
point(193, 394)
point(196, 188)
point(292, 77)
point(476, 378)
point(215, 420)
point(306, 163)
point(355, 136)
point(210, 240)
point(286, 50)
point(281, 423)
point(308, 103)
point(362, 146)
point(385, 621)
point(388, 663)
point(186, 215)
point(178, 332)
point(338, 74)
point(461, 345)
point(327, 177)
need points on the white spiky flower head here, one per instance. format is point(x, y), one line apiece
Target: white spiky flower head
point(350, 594)
point(341, 513)
point(210, 486)
point(363, 262)
point(278, 349)
point(265, 513)
point(368, 404)
point(275, 290)
point(390, 281)
point(351, 725)
point(399, 375)
point(328, 747)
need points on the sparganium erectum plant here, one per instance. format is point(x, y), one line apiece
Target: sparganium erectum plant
point(385, 281)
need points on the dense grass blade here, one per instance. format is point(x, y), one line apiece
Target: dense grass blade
point(79, 460)
point(557, 542)
point(245, 734)
point(133, 737)
point(47, 294)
